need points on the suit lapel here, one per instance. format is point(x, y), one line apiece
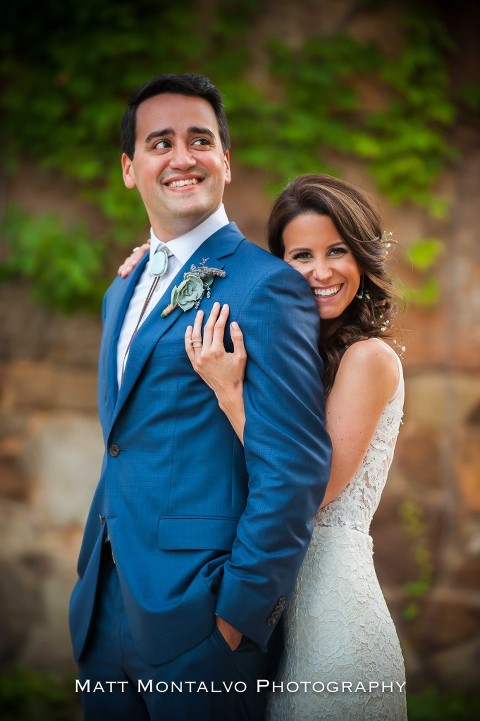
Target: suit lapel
point(119, 297)
point(219, 245)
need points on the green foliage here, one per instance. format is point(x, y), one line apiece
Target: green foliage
point(425, 252)
point(412, 143)
point(433, 705)
point(68, 68)
point(64, 262)
point(315, 111)
point(423, 255)
point(469, 96)
point(414, 525)
point(27, 695)
point(424, 295)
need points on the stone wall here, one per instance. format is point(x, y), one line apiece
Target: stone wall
point(50, 451)
point(427, 529)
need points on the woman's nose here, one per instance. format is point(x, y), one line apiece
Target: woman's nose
point(321, 271)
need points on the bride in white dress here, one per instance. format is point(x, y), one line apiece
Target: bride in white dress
point(342, 659)
point(338, 627)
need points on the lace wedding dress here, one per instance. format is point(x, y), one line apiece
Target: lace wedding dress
point(342, 659)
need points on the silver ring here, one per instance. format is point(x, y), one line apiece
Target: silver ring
point(136, 249)
point(197, 343)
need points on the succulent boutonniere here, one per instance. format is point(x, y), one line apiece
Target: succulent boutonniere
point(195, 283)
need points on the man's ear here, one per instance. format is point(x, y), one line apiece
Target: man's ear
point(228, 172)
point(128, 172)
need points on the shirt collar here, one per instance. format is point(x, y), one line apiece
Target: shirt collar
point(185, 245)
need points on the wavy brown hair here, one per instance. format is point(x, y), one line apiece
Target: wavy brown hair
point(359, 226)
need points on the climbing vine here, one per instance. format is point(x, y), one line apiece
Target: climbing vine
point(416, 588)
point(69, 67)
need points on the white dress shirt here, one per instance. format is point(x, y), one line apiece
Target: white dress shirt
point(181, 249)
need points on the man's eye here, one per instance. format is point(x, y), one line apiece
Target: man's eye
point(201, 141)
point(160, 144)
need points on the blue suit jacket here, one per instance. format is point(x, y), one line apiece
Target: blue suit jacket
point(199, 525)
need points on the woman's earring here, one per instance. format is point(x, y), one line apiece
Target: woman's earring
point(360, 294)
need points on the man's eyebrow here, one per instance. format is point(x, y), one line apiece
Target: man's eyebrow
point(159, 134)
point(202, 131)
point(170, 131)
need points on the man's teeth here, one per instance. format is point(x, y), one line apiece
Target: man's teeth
point(326, 292)
point(181, 183)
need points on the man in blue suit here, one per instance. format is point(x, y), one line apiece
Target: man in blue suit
point(193, 543)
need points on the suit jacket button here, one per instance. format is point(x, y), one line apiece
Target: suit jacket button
point(271, 621)
point(114, 450)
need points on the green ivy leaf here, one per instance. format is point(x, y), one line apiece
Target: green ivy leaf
point(424, 253)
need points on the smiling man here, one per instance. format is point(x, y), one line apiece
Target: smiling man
point(179, 165)
point(193, 543)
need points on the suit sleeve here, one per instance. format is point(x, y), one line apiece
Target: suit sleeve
point(287, 451)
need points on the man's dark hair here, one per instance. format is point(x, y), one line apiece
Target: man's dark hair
point(180, 84)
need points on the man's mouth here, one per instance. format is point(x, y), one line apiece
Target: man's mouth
point(183, 183)
point(326, 292)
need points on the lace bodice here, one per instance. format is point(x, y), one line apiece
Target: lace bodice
point(355, 505)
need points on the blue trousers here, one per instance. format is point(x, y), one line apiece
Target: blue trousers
point(210, 682)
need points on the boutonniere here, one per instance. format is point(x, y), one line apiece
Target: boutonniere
point(195, 283)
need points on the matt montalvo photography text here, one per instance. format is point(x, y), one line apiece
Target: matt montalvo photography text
point(148, 686)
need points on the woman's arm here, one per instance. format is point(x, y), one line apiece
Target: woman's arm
point(223, 372)
point(366, 380)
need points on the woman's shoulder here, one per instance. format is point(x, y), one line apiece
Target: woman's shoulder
point(372, 362)
point(371, 349)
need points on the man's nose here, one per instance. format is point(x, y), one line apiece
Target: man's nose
point(181, 157)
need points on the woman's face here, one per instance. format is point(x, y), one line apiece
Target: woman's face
point(314, 247)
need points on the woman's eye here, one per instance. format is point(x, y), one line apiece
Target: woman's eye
point(302, 255)
point(340, 250)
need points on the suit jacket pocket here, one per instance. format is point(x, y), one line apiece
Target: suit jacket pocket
point(166, 348)
point(181, 533)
